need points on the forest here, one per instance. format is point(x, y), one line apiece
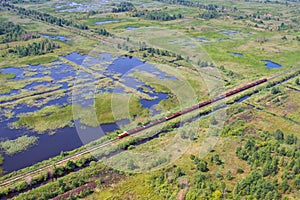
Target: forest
point(35, 48)
point(9, 32)
point(156, 15)
point(45, 17)
point(123, 7)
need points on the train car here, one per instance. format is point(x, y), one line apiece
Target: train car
point(131, 131)
point(194, 107)
point(204, 103)
point(232, 92)
point(173, 116)
point(139, 128)
point(261, 81)
point(124, 134)
point(186, 110)
point(218, 98)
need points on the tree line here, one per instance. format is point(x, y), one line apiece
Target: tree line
point(45, 17)
point(156, 15)
point(123, 7)
point(9, 32)
point(102, 31)
point(211, 14)
point(192, 4)
point(35, 48)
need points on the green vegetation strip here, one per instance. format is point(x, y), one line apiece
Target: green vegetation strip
point(18, 145)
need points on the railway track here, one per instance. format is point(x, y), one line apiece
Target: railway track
point(138, 129)
point(143, 127)
point(191, 108)
point(205, 103)
point(8, 181)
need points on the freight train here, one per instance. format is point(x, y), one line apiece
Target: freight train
point(191, 108)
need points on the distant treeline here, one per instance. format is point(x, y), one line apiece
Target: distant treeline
point(35, 48)
point(149, 51)
point(45, 17)
point(210, 15)
point(103, 32)
point(9, 32)
point(191, 4)
point(123, 7)
point(156, 15)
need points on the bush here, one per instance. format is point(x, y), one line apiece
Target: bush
point(279, 135)
point(219, 176)
point(297, 81)
point(291, 139)
point(275, 90)
point(229, 175)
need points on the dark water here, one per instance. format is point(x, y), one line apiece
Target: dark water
point(10, 93)
point(227, 32)
point(243, 98)
point(123, 65)
point(12, 70)
point(107, 22)
point(76, 58)
point(58, 72)
point(69, 138)
point(131, 28)
point(159, 96)
point(56, 37)
point(271, 65)
point(221, 40)
point(64, 139)
point(237, 54)
point(33, 85)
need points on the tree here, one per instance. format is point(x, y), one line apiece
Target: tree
point(284, 186)
point(275, 90)
point(131, 165)
point(296, 182)
point(192, 135)
point(297, 81)
point(202, 166)
point(70, 165)
point(213, 121)
point(216, 159)
point(229, 175)
point(291, 139)
point(279, 135)
point(178, 173)
point(183, 134)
